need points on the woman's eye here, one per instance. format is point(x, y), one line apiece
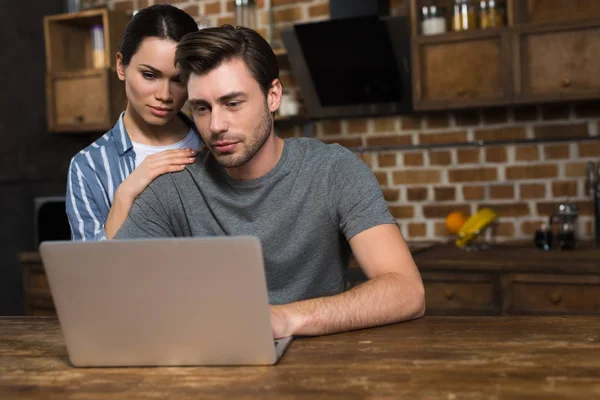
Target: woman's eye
point(148, 75)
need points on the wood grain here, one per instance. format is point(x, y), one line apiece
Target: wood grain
point(431, 358)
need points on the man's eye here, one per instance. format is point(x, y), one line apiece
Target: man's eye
point(234, 104)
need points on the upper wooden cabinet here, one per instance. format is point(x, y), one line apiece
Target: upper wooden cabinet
point(557, 63)
point(548, 51)
point(82, 96)
point(462, 71)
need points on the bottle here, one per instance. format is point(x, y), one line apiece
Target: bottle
point(245, 13)
point(457, 16)
point(98, 46)
point(483, 15)
point(468, 15)
point(496, 13)
point(433, 20)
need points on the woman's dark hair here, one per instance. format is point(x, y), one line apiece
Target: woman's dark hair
point(205, 50)
point(161, 21)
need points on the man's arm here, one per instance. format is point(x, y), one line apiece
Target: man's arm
point(393, 293)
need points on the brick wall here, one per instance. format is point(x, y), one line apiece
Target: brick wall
point(523, 183)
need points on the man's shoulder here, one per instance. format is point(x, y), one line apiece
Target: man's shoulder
point(315, 149)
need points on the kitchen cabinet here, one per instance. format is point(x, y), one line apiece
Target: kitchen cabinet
point(547, 52)
point(81, 95)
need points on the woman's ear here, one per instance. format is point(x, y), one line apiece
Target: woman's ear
point(120, 67)
point(274, 95)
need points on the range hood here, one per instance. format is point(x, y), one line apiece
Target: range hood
point(352, 67)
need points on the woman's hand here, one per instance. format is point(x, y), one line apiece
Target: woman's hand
point(152, 167)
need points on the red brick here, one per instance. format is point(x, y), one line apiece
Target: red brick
point(387, 160)
point(495, 154)
point(589, 149)
point(417, 193)
point(495, 115)
point(318, 10)
point(576, 170)
point(437, 120)
point(382, 178)
point(357, 126)
point(366, 157)
point(276, 3)
point(532, 172)
point(410, 123)
point(440, 158)
point(331, 127)
point(588, 110)
point(502, 192)
point(417, 229)
point(505, 228)
point(557, 151)
point(532, 191)
point(567, 131)
point(402, 212)
point(386, 125)
point(391, 194)
point(416, 176)
point(395, 140)
point(292, 14)
point(473, 192)
point(548, 208)
point(564, 189)
point(556, 111)
point(528, 228)
point(413, 159)
point(226, 21)
point(440, 229)
point(441, 211)
point(468, 156)
point(346, 142)
point(525, 113)
point(212, 8)
point(499, 134)
point(527, 153)
point(508, 210)
point(466, 118)
point(193, 10)
point(444, 193)
point(436, 138)
point(472, 174)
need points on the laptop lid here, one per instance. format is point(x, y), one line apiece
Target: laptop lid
point(180, 301)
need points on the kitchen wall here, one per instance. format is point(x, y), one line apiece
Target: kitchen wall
point(523, 183)
point(33, 162)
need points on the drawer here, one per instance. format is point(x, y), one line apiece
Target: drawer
point(460, 294)
point(552, 294)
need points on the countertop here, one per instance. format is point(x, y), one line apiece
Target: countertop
point(430, 358)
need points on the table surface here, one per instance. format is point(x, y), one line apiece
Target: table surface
point(430, 358)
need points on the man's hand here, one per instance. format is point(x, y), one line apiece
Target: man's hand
point(281, 322)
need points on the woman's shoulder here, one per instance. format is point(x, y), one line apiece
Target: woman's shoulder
point(102, 148)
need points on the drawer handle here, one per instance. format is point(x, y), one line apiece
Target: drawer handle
point(566, 83)
point(79, 118)
point(449, 294)
point(462, 92)
point(556, 298)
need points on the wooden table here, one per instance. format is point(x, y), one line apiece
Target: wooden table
point(431, 358)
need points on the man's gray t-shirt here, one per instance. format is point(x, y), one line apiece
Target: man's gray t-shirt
point(304, 211)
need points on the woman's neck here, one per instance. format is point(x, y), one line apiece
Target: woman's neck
point(140, 131)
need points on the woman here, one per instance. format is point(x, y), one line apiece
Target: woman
point(152, 136)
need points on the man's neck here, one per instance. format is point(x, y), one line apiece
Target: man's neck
point(154, 135)
point(264, 161)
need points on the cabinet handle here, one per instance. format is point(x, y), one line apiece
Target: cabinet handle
point(556, 298)
point(449, 294)
point(566, 83)
point(79, 118)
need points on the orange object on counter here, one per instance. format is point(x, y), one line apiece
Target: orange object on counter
point(455, 220)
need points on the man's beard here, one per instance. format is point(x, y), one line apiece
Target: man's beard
point(249, 150)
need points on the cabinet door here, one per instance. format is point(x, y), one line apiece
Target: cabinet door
point(38, 299)
point(552, 294)
point(79, 101)
point(461, 294)
point(462, 70)
point(559, 64)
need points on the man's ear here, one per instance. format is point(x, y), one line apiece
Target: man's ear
point(274, 95)
point(120, 67)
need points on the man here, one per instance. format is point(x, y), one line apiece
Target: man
point(311, 204)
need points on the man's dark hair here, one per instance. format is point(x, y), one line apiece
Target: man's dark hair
point(201, 52)
point(160, 21)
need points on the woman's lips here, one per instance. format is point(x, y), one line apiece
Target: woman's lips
point(160, 112)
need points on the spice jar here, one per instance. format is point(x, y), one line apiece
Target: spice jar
point(484, 18)
point(464, 17)
point(496, 11)
point(433, 20)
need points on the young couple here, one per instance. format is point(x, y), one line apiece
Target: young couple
point(311, 204)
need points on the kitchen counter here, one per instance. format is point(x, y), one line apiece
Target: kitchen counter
point(430, 358)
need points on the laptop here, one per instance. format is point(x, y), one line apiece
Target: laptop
point(162, 302)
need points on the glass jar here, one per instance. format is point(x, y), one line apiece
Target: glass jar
point(484, 18)
point(433, 20)
point(465, 16)
point(496, 11)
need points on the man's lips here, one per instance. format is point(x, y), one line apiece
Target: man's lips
point(224, 147)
